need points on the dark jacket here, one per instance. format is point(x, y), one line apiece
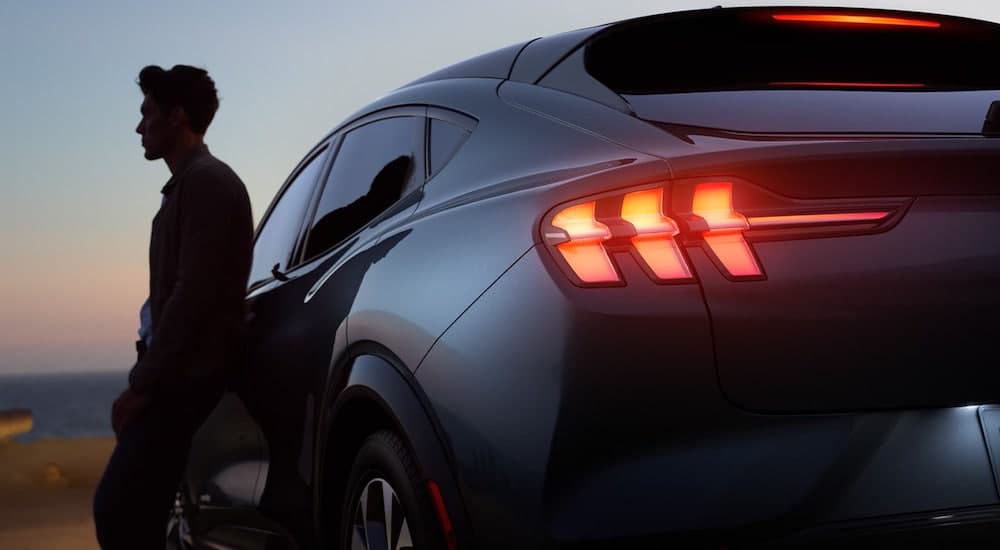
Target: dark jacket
point(199, 260)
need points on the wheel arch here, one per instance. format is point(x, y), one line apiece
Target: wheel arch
point(369, 390)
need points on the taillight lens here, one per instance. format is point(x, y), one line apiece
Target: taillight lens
point(802, 220)
point(713, 203)
point(584, 250)
point(585, 236)
point(584, 242)
point(654, 239)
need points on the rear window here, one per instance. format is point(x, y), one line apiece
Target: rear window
point(791, 70)
point(789, 48)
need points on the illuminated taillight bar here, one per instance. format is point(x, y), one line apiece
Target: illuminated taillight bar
point(848, 19)
point(713, 202)
point(815, 219)
point(636, 224)
point(583, 243)
point(654, 240)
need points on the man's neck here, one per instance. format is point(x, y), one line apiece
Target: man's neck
point(186, 147)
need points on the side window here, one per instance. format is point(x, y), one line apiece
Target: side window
point(375, 163)
point(277, 236)
point(445, 139)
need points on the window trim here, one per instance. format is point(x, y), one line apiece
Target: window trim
point(450, 116)
point(457, 118)
point(427, 147)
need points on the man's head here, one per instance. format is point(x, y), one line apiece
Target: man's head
point(178, 107)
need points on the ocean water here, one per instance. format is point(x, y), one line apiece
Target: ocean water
point(64, 405)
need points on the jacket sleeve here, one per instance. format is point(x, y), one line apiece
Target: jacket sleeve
point(214, 231)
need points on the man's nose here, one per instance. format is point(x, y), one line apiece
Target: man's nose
point(139, 128)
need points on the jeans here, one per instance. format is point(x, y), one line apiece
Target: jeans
point(136, 494)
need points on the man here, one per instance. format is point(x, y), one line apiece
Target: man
point(199, 261)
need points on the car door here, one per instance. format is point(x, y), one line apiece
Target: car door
point(229, 452)
point(298, 319)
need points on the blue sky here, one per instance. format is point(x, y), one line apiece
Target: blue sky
point(77, 195)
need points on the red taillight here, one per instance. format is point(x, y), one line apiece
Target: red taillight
point(814, 219)
point(849, 19)
point(654, 240)
point(584, 250)
point(713, 202)
point(584, 236)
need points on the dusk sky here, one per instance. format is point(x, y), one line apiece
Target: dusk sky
point(78, 196)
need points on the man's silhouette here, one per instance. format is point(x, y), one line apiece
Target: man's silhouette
point(199, 260)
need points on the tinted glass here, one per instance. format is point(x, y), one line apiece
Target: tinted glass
point(277, 236)
point(445, 140)
point(749, 49)
point(373, 167)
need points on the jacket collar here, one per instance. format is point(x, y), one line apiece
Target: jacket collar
point(197, 153)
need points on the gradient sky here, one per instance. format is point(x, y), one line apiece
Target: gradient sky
point(78, 197)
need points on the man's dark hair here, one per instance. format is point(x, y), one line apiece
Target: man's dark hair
point(184, 86)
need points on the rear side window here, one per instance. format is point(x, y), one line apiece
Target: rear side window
point(782, 48)
point(445, 140)
point(277, 236)
point(376, 163)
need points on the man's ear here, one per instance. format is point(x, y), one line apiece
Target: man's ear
point(178, 117)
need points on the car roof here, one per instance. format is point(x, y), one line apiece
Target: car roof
point(531, 60)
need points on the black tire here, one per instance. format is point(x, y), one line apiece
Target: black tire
point(384, 462)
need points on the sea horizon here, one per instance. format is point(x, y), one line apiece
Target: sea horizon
point(63, 404)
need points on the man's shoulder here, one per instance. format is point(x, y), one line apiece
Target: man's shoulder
point(209, 167)
point(209, 180)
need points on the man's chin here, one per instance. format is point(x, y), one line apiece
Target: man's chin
point(152, 155)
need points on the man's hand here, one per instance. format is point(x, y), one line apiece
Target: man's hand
point(124, 409)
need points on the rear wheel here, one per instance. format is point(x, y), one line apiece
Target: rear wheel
point(386, 505)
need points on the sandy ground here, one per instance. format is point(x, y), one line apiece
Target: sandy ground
point(46, 489)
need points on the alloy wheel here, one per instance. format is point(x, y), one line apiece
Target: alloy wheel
point(379, 522)
point(178, 529)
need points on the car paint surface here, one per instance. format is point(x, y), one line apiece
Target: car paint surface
point(840, 393)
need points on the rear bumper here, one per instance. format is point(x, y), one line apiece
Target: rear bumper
point(799, 479)
point(963, 528)
point(978, 526)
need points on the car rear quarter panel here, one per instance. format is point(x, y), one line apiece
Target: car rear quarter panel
point(479, 214)
point(586, 414)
